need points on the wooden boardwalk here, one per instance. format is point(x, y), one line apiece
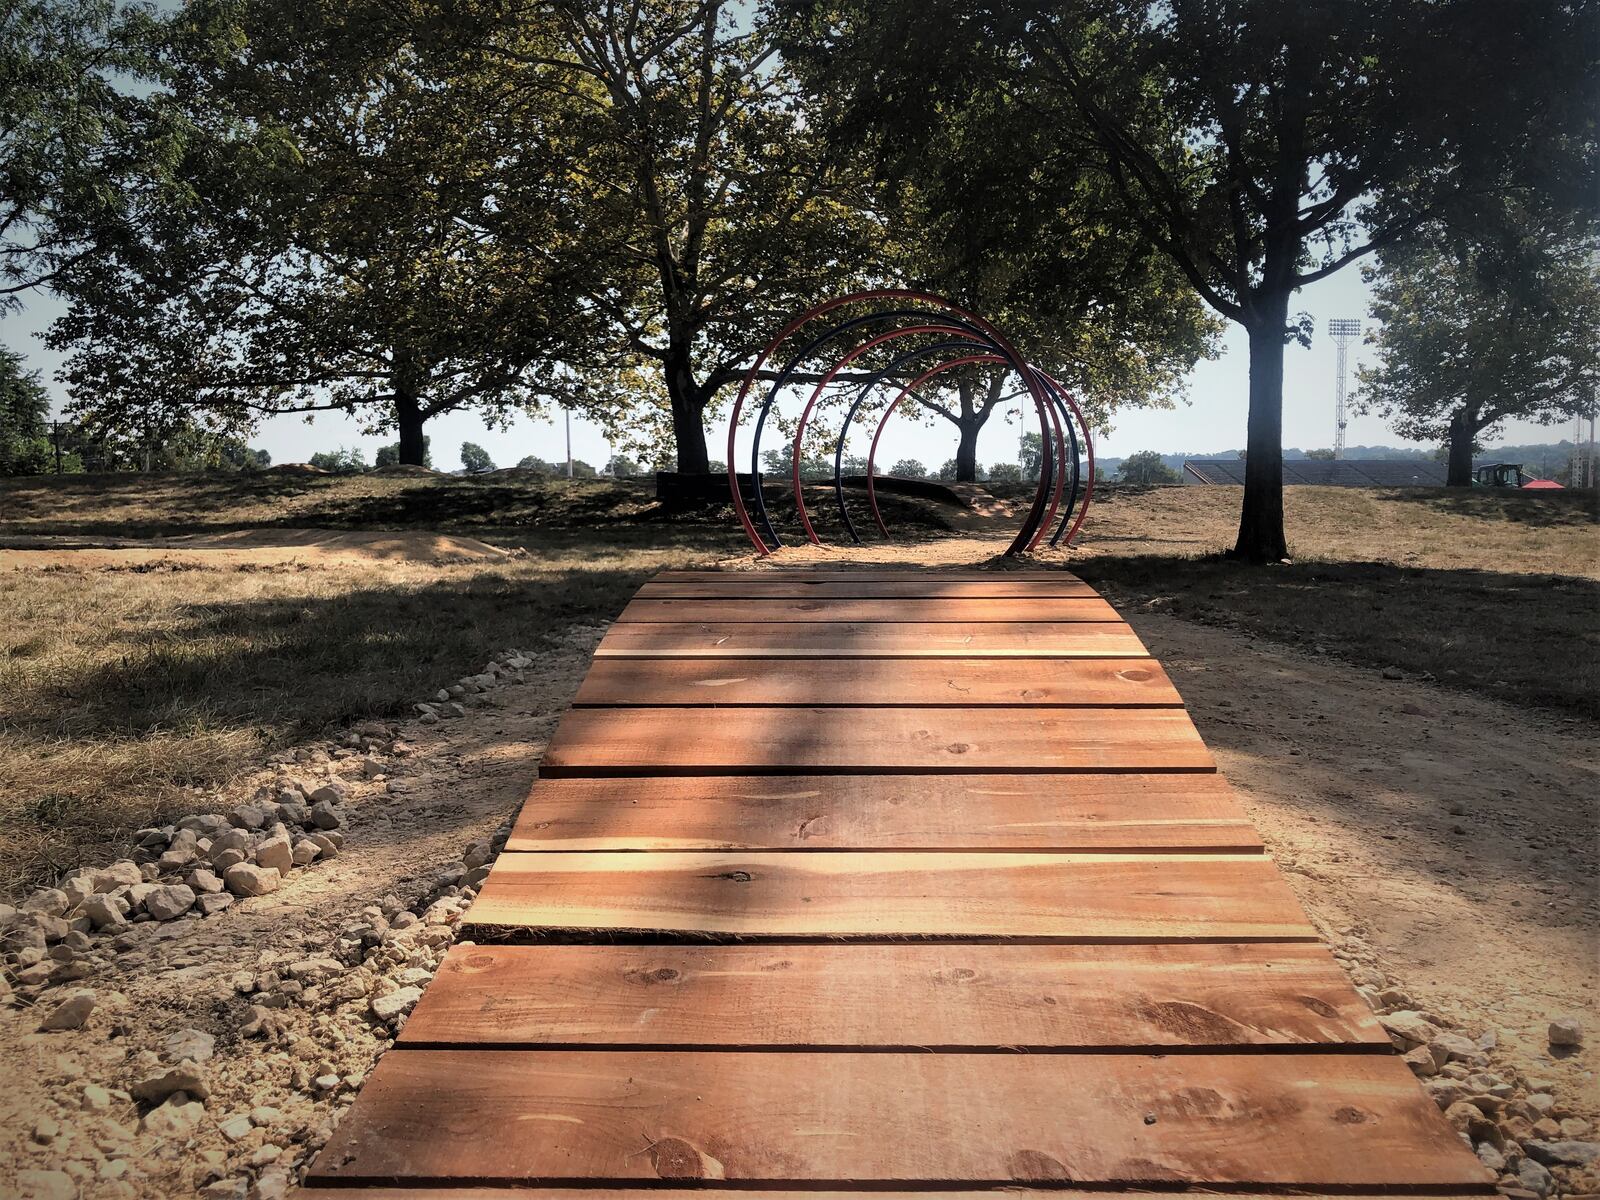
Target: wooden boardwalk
point(865, 881)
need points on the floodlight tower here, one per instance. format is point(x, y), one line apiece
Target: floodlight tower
point(1342, 330)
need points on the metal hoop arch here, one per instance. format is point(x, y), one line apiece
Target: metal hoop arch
point(974, 341)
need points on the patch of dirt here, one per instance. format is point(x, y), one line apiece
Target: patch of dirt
point(1452, 834)
point(248, 546)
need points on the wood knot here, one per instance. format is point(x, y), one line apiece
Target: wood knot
point(1349, 1115)
point(958, 747)
point(734, 876)
point(1321, 1007)
point(674, 1158)
point(1133, 674)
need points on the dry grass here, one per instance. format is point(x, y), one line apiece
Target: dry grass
point(128, 692)
point(1488, 591)
point(125, 694)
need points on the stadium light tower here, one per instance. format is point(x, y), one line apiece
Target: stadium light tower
point(1342, 330)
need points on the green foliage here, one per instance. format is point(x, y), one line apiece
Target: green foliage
point(389, 455)
point(1256, 146)
point(1483, 324)
point(475, 459)
point(1005, 472)
point(909, 468)
point(357, 224)
point(1146, 467)
point(620, 466)
point(533, 462)
point(82, 135)
point(25, 447)
point(1320, 455)
point(343, 461)
point(706, 192)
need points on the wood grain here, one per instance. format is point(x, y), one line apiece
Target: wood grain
point(951, 997)
point(965, 612)
point(871, 639)
point(923, 682)
point(886, 812)
point(651, 1193)
point(885, 894)
point(891, 1119)
point(778, 586)
point(879, 573)
point(804, 740)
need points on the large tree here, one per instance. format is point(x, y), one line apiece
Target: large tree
point(1481, 324)
point(710, 200)
point(1260, 145)
point(369, 224)
point(80, 137)
point(24, 418)
point(1075, 288)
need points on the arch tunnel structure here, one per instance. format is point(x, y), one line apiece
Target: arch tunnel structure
point(866, 345)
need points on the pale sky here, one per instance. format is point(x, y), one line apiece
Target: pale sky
point(1213, 420)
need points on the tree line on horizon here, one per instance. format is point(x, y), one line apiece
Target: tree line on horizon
point(406, 208)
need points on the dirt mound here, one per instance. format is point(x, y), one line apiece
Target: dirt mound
point(296, 469)
point(404, 469)
point(256, 546)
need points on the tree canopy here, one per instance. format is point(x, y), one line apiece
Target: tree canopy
point(1258, 146)
point(1480, 324)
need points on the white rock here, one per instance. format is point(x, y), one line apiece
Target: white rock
point(203, 881)
point(177, 1118)
point(396, 1003)
point(194, 1045)
point(1566, 1031)
point(276, 853)
point(118, 874)
point(52, 902)
point(170, 901)
point(332, 792)
point(246, 879)
point(324, 814)
point(185, 1077)
point(45, 1185)
point(71, 1013)
point(104, 911)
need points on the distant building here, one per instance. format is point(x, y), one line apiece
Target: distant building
point(1346, 472)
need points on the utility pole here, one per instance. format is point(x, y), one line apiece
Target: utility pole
point(55, 440)
point(568, 413)
point(1342, 330)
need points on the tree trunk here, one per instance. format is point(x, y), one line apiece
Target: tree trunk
point(408, 417)
point(1462, 434)
point(969, 426)
point(1261, 537)
point(688, 405)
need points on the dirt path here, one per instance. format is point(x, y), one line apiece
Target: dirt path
point(1443, 840)
point(1452, 836)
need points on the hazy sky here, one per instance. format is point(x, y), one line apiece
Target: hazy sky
point(1214, 418)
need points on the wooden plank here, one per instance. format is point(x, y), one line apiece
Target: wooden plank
point(893, 1119)
point(967, 612)
point(1102, 813)
point(659, 741)
point(886, 894)
point(876, 639)
point(879, 573)
point(934, 997)
point(943, 682)
point(652, 1193)
point(772, 585)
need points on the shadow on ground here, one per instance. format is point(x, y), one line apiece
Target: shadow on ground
point(1525, 639)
